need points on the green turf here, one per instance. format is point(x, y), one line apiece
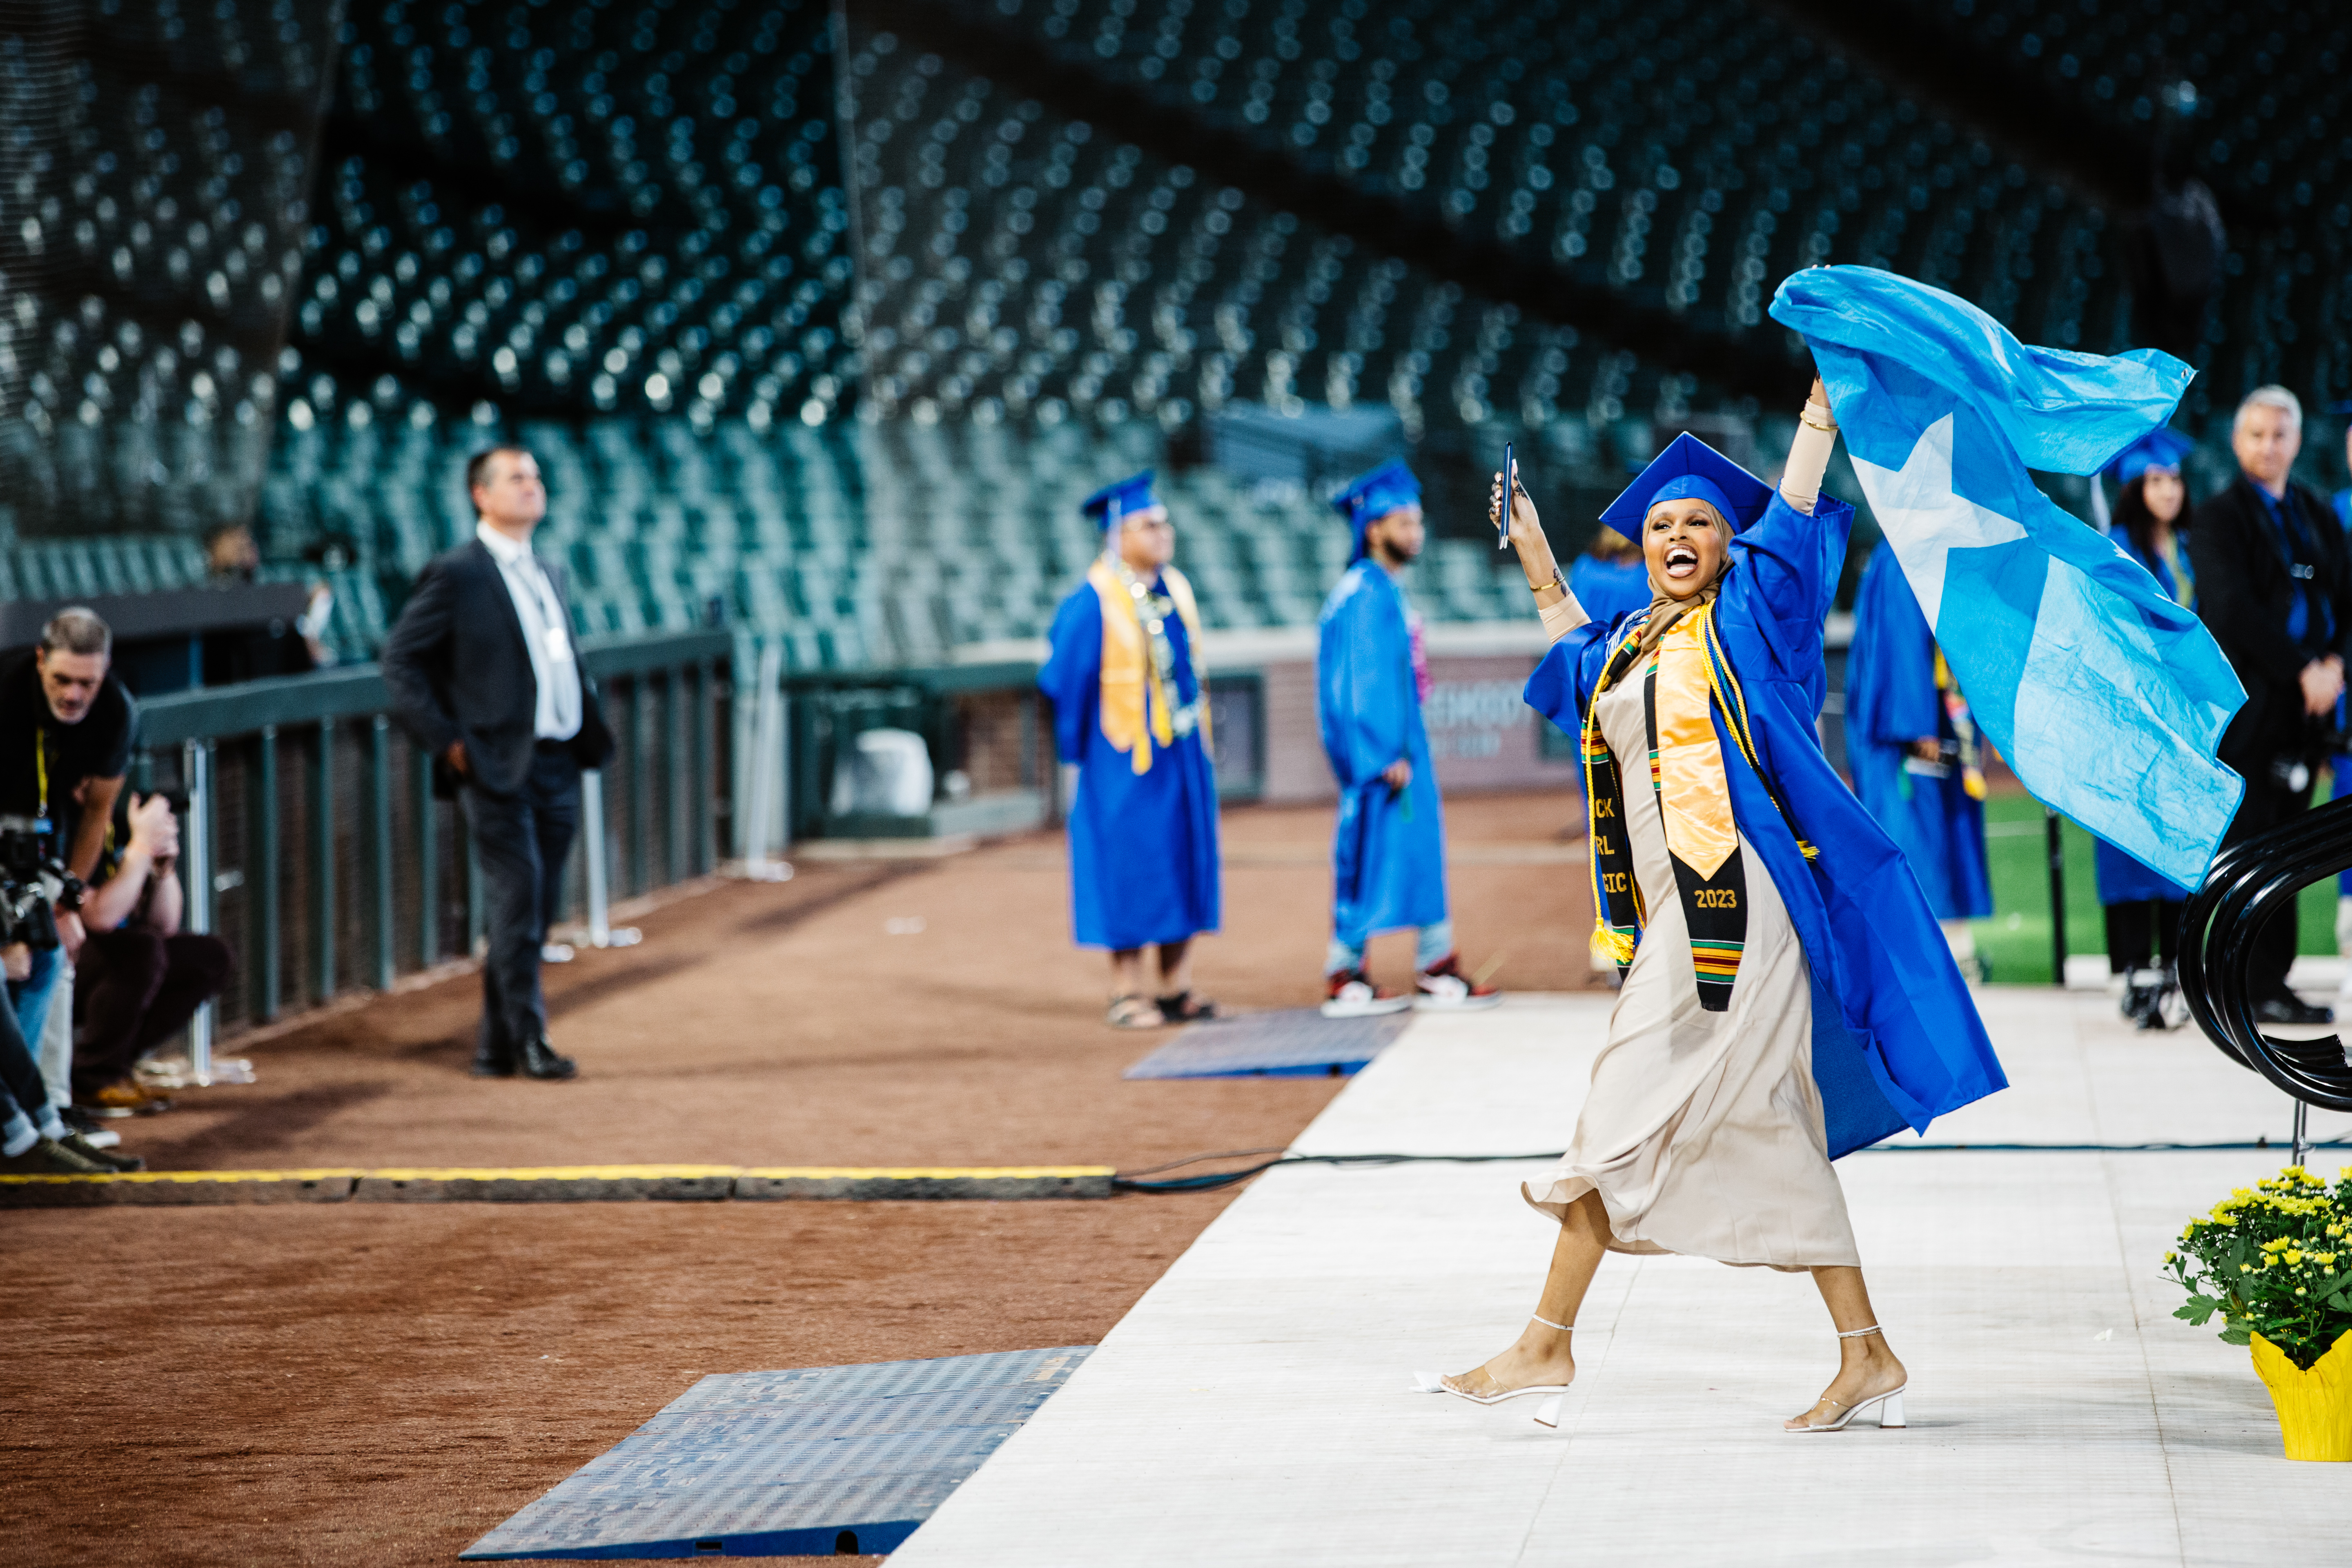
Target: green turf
point(2015, 943)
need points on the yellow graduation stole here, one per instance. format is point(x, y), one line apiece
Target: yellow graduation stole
point(1137, 700)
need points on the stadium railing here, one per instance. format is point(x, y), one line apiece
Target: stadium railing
point(313, 842)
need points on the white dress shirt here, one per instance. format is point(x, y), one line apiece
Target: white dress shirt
point(545, 632)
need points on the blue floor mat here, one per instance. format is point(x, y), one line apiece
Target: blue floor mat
point(775, 1464)
point(1297, 1042)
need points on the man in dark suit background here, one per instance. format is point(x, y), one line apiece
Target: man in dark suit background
point(483, 674)
point(2274, 586)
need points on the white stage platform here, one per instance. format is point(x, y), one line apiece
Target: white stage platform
point(1256, 1407)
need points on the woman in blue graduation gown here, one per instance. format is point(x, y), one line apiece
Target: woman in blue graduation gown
point(1388, 843)
point(1911, 749)
point(2142, 906)
point(1608, 577)
point(1131, 710)
point(1788, 996)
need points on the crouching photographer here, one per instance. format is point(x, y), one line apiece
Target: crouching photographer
point(68, 729)
point(140, 978)
point(34, 1139)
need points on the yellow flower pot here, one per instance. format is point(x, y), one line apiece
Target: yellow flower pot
point(2315, 1407)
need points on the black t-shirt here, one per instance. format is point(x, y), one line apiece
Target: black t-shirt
point(99, 747)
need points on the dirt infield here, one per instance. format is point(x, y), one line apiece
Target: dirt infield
point(381, 1384)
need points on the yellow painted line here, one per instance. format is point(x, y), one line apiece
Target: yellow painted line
point(543, 1173)
point(590, 1173)
point(925, 1172)
point(320, 1174)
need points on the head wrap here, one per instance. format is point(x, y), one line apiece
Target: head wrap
point(1367, 500)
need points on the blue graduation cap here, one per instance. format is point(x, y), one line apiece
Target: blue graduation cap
point(1690, 470)
point(2162, 447)
point(1113, 504)
point(1371, 497)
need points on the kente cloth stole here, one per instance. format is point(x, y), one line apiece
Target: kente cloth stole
point(1963, 729)
point(1138, 698)
point(1686, 683)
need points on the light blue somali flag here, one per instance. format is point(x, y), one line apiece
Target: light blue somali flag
point(2107, 697)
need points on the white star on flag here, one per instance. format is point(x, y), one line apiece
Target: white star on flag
point(1924, 519)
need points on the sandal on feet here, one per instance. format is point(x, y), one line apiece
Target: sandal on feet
point(1888, 1405)
point(1187, 1007)
point(1133, 1013)
point(1431, 1382)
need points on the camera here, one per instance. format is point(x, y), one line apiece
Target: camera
point(2322, 740)
point(34, 883)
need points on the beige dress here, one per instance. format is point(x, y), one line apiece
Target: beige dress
point(1702, 1130)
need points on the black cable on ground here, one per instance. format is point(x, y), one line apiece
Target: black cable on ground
point(1209, 1182)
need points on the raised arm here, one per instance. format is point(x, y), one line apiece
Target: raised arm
point(1558, 607)
point(1808, 453)
point(1793, 554)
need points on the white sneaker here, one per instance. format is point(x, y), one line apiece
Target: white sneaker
point(1443, 988)
point(1352, 995)
point(556, 952)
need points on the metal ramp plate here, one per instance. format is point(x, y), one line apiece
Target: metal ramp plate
point(776, 1464)
point(1297, 1042)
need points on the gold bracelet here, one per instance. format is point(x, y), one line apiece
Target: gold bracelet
point(1806, 414)
point(1557, 581)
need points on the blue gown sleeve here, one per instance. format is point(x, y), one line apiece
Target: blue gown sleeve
point(1073, 671)
point(1562, 684)
point(1890, 692)
point(1361, 671)
point(1793, 560)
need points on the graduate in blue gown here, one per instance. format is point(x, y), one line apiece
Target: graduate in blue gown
point(1608, 577)
point(1388, 847)
point(2142, 906)
point(1131, 708)
point(1903, 1044)
point(1788, 995)
point(1911, 747)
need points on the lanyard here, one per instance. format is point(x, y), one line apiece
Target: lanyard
point(41, 767)
point(2304, 573)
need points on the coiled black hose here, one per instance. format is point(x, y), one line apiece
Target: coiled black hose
point(2249, 883)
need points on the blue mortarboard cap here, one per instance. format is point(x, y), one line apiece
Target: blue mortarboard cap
point(1690, 470)
point(1373, 496)
point(2161, 447)
point(1112, 503)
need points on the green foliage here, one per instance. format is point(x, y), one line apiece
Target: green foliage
point(2273, 1259)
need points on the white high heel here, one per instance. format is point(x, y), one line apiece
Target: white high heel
point(1431, 1382)
point(1888, 1405)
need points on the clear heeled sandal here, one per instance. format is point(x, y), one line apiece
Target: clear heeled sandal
point(1888, 1405)
point(1548, 1413)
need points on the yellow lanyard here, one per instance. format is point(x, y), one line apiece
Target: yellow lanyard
point(41, 766)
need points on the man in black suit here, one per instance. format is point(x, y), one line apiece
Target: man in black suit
point(2275, 587)
point(484, 676)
